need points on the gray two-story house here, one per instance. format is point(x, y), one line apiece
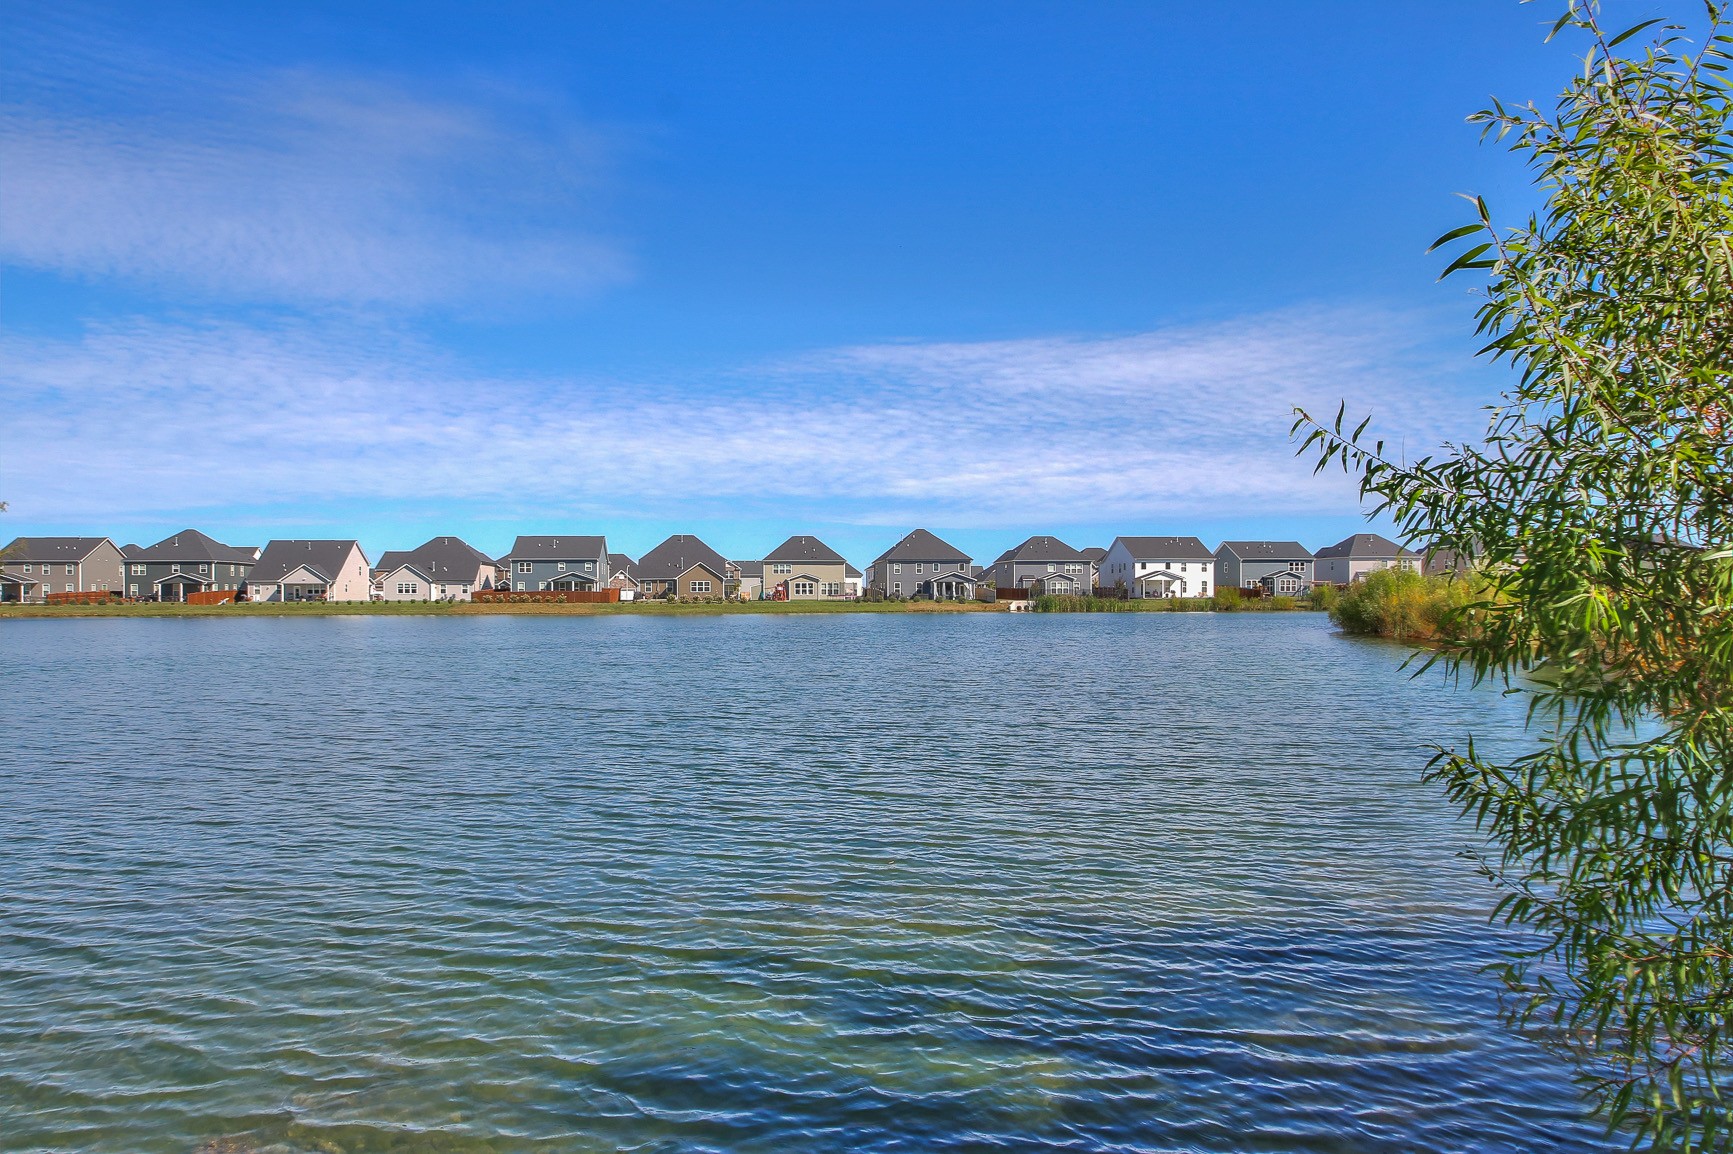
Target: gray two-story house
point(922, 565)
point(1272, 566)
point(187, 562)
point(33, 567)
point(567, 563)
point(1352, 558)
point(1043, 565)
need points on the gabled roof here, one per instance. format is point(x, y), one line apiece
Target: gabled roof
point(557, 549)
point(1267, 550)
point(1367, 545)
point(749, 568)
point(131, 552)
point(921, 545)
point(441, 559)
point(1165, 548)
point(678, 554)
point(54, 548)
point(849, 570)
point(192, 545)
point(1041, 548)
point(282, 558)
point(1094, 552)
point(804, 548)
point(398, 563)
point(620, 563)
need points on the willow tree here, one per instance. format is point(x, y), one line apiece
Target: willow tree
point(1598, 508)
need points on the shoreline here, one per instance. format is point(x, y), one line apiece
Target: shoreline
point(14, 611)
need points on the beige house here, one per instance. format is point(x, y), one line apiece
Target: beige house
point(804, 568)
point(443, 569)
point(311, 571)
point(685, 567)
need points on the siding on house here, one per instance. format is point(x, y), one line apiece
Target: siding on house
point(446, 568)
point(803, 568)
point(908, 568)
point(1043, 564)
point(683, 566)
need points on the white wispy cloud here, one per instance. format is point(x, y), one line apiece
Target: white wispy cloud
point(308, 190)
point(169, 419)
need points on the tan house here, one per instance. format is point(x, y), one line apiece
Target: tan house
point(685, 567)
point(804, 568)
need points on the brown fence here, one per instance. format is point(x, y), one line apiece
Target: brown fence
point(1012, 594)
point(211, 597)
point(570, 596)
point(89, 598)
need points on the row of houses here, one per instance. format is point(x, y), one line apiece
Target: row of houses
point(193, 565)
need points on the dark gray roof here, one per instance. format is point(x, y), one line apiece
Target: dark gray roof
point(557, 549)
point(441, 559)
point(1093, 552)
point(192, 545)
point(1267, 550)
point(53, 548)
point(750, 568)
point(1365, 545)
point(282, 558)
point(849, 570)
point(390, 562)
point(130, 552)
point(804, 548)
point(1162, 548)
point(1041, 548)
point(678, 554)
point(921, 545)
point(620, 563)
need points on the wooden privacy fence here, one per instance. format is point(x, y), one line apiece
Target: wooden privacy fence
point(89, 598)
point(211, 597)
point(1012, 594)
point(570, 596)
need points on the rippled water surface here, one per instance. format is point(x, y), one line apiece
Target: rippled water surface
point(990, 882)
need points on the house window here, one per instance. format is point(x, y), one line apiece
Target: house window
point(896, 569)
point(406, 588)
point(700, 586)
point(1074, 568)
point(589, 566)
point(27, 567)
point(1052, 568)
point(897, 588)
point(132, 590)
point(137, 570)
point(69, 586)
point(70, 570)
point(1296, 566)
point(205, 568)
point(541, 585)
point(805, 588)
point(917, 566)
point(562, 566)
point(526, 566)
point(781, 567)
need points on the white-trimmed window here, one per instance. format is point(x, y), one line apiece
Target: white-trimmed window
point(897, 568)
point(205, 568)
point(69, 587)
point(27, 568)
point(700, 586)
point(136, 570)
point(70, 570)
point(917, 567)
point(407, 588)
point(804, 588)
point(526, 566)
point(132, 590)
point(589, 566)
point(781, 567)
point(562, 566)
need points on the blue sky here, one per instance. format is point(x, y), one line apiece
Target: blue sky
point(393, 270)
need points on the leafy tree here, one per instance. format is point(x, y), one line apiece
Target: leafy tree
point(1598, 508)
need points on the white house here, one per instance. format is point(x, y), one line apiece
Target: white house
point(310, 571)
point(1158, 567)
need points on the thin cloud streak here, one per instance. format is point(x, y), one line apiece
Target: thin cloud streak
point(310, 190)
point(168, 420)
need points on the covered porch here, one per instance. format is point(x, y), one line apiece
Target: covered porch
point(953, 586)
point(573, 582)
point(176, 586)
point(17, 588)
point(1164, 583)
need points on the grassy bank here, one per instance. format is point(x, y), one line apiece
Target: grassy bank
point(1404, 605)
point(474, 609)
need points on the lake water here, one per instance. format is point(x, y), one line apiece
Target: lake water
point(775, 883)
